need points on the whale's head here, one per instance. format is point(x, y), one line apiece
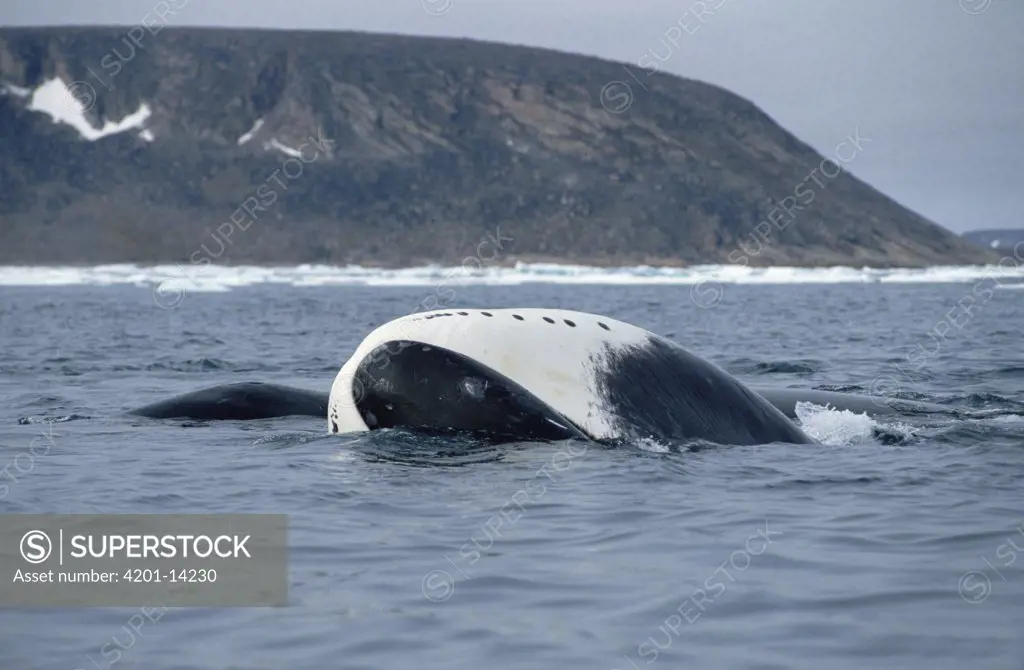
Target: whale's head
point(517, 373)
point(541, 374)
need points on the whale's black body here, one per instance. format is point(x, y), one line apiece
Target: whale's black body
point(241, 401)
point(528, 374)
point(245, 401)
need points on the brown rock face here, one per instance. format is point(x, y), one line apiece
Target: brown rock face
point(412, 151)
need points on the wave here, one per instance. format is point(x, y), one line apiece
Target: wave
point(213, 278)
point(835, 427)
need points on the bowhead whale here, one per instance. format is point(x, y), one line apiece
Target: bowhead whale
point(528, 374)
point(545, 375)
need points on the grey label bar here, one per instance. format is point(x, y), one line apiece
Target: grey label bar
point(169, 560)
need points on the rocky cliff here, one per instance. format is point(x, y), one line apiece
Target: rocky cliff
point(184, 144)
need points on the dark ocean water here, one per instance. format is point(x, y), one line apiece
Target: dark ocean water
point(848, 554)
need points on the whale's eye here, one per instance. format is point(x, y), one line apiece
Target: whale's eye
point(549, 319)
point(486, 313)
point(570, 323)
point(603, 326)
point(463, 313)
point(517, 317)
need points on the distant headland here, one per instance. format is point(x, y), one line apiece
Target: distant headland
point(157, 144)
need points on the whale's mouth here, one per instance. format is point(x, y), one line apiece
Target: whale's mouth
point(431, 389)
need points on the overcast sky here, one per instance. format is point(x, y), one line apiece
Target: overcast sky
point(937, 85)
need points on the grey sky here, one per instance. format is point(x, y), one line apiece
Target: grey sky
point(938, 89)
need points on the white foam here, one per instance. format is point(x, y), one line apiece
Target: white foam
point(834, 427)
point(842, 428)
point(54, 99)
point(252, 131)
point(147, 135)
point(452, 277)
point(651, 445)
